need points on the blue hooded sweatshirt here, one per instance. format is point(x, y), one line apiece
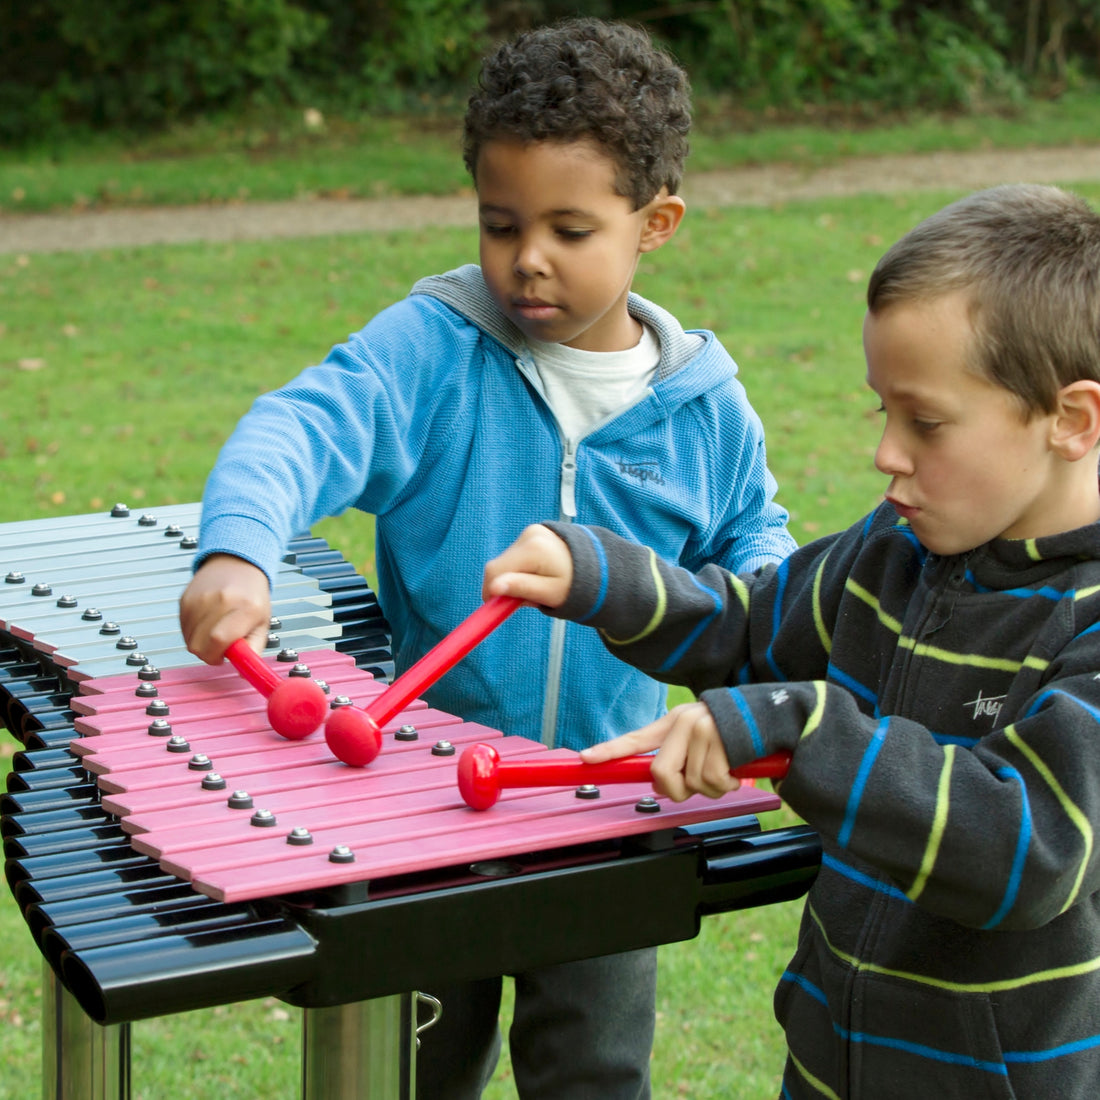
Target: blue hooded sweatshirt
point(432, 419)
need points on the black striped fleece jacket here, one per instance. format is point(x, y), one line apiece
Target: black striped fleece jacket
point(944, 715)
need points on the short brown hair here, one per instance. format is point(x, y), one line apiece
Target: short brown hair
point(1028, 258)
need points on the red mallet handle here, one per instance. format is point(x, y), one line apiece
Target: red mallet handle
point(482, 774)
point(296, 706)
point(351, 735)
point(441, 657)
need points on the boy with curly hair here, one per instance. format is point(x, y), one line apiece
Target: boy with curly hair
point(933, 671)
point(533, 384)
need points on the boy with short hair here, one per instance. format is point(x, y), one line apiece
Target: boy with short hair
point(933, 670)
point(536, 384)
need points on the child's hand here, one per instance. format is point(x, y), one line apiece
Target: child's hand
point(691, 760)
point(537, 567)
point(228, 598)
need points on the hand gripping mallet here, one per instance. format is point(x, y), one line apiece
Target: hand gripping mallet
point(296, 705)
point(355, 733)
point(482, 774)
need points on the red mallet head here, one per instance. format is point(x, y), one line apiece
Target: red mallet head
point(296, 708)
point(353, 736)
point(479, 776)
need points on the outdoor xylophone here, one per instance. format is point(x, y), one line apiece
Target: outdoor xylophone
point(170, 851)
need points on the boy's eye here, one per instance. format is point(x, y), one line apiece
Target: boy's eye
point(493, 229)
point(575, 234)
point(919, 424)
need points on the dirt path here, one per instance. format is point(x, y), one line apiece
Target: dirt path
point(752, 186)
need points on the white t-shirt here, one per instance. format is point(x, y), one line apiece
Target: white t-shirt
point(584, 387)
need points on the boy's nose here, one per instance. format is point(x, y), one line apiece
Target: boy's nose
point(529, 261)
point(890, 458)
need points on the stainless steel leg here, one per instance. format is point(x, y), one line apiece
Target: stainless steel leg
point(81, 1060)
point(361, 1051)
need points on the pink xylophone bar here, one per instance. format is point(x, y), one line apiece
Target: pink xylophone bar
point(279, 815)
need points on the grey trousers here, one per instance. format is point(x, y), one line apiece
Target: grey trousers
point(580, 1031)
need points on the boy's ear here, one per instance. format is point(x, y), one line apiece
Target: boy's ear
point(663, 216)
point(1075, 431)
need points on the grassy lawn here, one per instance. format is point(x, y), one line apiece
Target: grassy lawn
point(122, 371)
point(279, 156)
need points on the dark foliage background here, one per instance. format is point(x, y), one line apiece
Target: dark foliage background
point(146, 63)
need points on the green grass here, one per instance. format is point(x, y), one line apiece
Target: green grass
point(722, 139)
point(277, 155)
point(122, 371)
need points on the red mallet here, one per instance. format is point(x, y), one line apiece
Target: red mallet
point(355, 734)
point(296, 706)
point(482, 774)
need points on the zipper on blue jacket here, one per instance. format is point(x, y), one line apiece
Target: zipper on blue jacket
point(556, 656)
point(569, 480)
point(552, 698)
point(568, 505)
point(567, 497)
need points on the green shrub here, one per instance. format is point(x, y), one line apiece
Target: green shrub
point(891, 53)
point(125, 63)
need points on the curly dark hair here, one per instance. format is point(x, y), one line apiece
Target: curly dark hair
point(588, 79)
